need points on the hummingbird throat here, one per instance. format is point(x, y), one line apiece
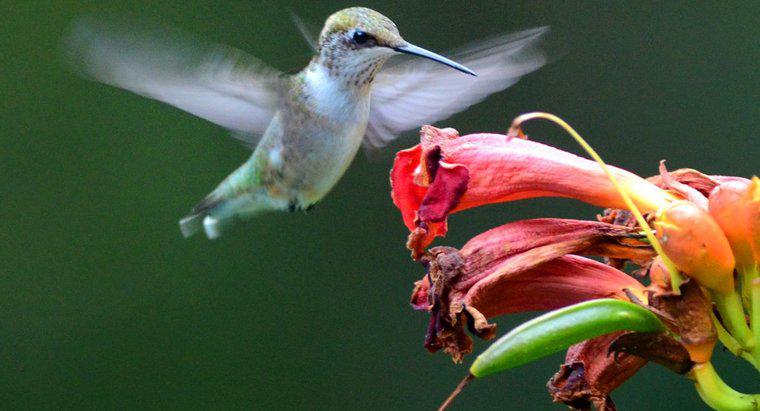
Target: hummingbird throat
point(355, 68)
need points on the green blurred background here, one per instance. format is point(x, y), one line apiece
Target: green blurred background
point(104, 305)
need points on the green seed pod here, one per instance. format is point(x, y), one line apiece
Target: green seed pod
point(559, 329)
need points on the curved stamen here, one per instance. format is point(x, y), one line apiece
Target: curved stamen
point(675, 276)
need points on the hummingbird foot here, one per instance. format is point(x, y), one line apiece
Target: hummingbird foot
point(294, 206)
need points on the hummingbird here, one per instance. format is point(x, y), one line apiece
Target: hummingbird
point(305, 129)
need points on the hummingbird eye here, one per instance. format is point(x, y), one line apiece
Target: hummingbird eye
point(361, 37)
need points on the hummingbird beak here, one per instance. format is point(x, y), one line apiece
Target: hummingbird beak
point(419, 51)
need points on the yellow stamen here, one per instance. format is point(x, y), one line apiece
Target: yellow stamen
point(675, 275)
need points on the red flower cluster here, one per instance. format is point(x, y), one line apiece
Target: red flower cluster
point(707, 225)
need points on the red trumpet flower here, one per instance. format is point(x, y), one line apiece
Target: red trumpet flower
point(447, 173)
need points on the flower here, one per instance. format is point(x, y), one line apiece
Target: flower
point(520, 266)
point(447, 173)
point(706, 227)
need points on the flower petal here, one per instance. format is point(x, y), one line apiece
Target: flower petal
point(407, 195)
point(444, 194)
point(695, 179)
point(684, 190)
point(557, 283)
point(591, 373)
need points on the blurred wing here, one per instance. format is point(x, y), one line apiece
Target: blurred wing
point(218, 83)
point(418, 92)
point(309, 33)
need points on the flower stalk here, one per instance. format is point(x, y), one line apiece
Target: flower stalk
point(732, 312)
point(755, 318)
point(717, 394)
point(748, 277)
point(730, 342)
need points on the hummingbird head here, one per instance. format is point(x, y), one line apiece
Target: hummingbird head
point(355, 42)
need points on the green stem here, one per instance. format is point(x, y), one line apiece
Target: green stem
point(717, 394)
point(747, 274)
point(731, 344)
point(732, 313)
point(755, 316)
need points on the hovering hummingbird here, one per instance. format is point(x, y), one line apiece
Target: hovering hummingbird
point(305, 128)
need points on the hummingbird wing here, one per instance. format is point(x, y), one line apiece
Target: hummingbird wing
point(309, 33)
point(415, 92)
point(218, 83)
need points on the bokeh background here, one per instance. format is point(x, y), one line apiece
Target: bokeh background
point(104, 305)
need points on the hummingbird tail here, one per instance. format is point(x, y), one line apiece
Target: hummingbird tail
point(200, 218)
point(191, 224)
point(216, 213)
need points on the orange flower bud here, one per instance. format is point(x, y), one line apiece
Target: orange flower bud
point(697, 245)
point(753, 217)
point(658, 274)
point(730, 206)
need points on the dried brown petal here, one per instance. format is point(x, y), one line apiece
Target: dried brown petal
point(589, 374)
point(659, 348)
point(691, 313)
point(692, 178)
point(684, 190)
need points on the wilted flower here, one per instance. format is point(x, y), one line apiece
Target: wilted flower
point(521, 266)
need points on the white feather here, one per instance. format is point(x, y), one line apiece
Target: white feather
point(331, 98)
point(212, 227)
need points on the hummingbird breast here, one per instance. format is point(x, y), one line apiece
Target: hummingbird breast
point(313, 137)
